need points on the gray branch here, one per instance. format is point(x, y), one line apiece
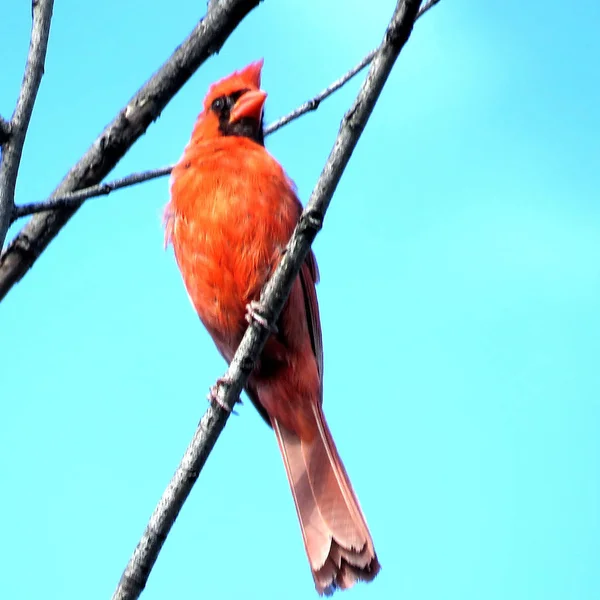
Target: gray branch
point(206, 39)
point(74, 199)
point(313, 103)
point(14, 133)
point(273, 298)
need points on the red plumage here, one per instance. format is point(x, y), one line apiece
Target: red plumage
point(232, 212)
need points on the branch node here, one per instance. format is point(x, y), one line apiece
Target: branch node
point(22, 245)
point(312, 220)
point(192, 476)
point(349, 119)
point(247, 365)
point(5, 131)
point(314, 104)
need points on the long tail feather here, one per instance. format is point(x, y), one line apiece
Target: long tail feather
point(336, 536)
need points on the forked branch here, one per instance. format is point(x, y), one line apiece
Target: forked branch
point(12, 135)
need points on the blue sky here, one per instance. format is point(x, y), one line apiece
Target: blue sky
point(460, 265)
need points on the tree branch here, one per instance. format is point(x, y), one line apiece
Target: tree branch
point(41, 15)
point(314, 103)
point(103, 189)
point(209, 35)
point(4, 131)
point(75, 199)
point(273, 298)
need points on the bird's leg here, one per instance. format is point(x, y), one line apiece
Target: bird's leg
point(213, 394)
point(254, 312)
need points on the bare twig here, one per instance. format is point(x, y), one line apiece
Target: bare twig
point(76, 198)
point(13, 144)
point(273, 298)
point(314, 103)
point(4, 131)
point(209, 35)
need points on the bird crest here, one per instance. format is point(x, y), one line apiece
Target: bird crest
point(246, 78)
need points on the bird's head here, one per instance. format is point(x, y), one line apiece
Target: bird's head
point(234, 107)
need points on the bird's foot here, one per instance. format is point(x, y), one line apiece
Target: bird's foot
point(254, 312)
point(213, 394)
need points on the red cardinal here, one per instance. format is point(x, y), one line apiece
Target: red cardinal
point(232, 212)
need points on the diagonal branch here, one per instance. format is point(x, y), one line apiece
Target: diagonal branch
point(103, 189)
point(15, 132)
point(273, 298)
point(313, 103)
point(75, 199)
point(206, 39)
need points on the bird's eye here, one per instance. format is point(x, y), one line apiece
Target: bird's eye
point(218, 105)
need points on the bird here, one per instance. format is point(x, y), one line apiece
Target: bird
point(231, 213)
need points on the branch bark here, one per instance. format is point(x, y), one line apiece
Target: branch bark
point(273, 298)
point(103, 189)
point(75, 199)
point(41, 15)
point(206, 39)
point(4, 131)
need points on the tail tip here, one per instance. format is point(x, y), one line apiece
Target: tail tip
point(345, 576)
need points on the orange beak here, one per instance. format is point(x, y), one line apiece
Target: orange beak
point(250, 105)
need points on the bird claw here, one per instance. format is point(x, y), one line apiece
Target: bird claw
point(253, 313)
point(213, 394)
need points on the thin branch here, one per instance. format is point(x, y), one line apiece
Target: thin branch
point(75, 199)
point(13, 146)
point(273, 298)
point(314, 103)
point(206, 39)
point(4, 131)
